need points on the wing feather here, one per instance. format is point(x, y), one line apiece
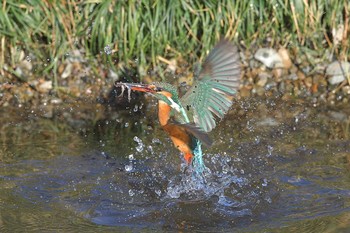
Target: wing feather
point(217, 82)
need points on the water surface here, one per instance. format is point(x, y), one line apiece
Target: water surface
point(275, 166)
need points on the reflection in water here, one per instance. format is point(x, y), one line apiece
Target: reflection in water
point(272, 167)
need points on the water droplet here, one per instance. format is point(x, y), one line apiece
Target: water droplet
point(108, 50)
point(128, 167)
point(264, 184)
point(150, 149)
point(257, 140)
point(126, 125)
point(158, 192)
point(155, 140)
point(140, 144)
point(225, 169)
point(131, 156)
point(268, 199)
point(269, 150)
point(131, 192)
point(136, 108)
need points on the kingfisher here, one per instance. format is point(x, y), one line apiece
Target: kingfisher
point(189, 119)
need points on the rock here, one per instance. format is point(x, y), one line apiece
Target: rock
point(308, 82)
point(269, 57)
point(282, 87)
point(260, 91)
point(67, 71)
point(45, 86)
point(338, 116)
point(336, 79)
point(56, 101)
point(292, 77)
point(263, 77)
point(278, 74)
point(245, 91)
point(301, 75)
point(346, 90)
point(338, 72)
point(287, 63)
point(47, 111)
point(254, 72)
point(113, 75)
point(262, 81)
point(271, 85)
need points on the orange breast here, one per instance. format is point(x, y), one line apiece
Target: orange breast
point(181, 139)
point(163, 113)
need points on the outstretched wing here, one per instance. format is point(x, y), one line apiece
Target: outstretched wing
point(217, 81)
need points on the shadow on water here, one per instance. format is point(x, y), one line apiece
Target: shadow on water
point(274, 166)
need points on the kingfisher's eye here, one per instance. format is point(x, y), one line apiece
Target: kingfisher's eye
point(158, 89)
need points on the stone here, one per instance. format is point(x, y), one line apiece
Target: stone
point(45, 86)
point(287, 62)
point(338, 71)
point(269, 57)
point(245, 91)
point(278, 73)
point(292, 77)
point(263, 77)
point(346, 90)
point(301, 75)
point(113, 75)
point(67, 71)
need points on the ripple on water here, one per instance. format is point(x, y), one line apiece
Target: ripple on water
point(102, 190)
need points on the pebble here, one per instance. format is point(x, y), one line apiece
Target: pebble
point(67, 71)
point(339, 116)
point(292, 77)
point(45, 86)
point(263, 77)
point(338, 72)
point(269, 57)
point(113, 75)
point(346, 90)
point(287, 62)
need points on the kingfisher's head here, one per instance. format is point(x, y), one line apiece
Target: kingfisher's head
point(162, 91)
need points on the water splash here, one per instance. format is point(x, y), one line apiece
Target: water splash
point(198, 163)
point(196, 185)
point(140, 146)
point(107, 50)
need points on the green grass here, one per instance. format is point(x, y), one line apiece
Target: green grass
point(140, 30)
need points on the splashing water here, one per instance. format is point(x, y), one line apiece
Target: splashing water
point(196, 185)
point(129, 167)
point(198, 163)
point(108, 50)
point(140, 146)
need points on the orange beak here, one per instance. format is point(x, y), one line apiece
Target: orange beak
point(137, 87)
